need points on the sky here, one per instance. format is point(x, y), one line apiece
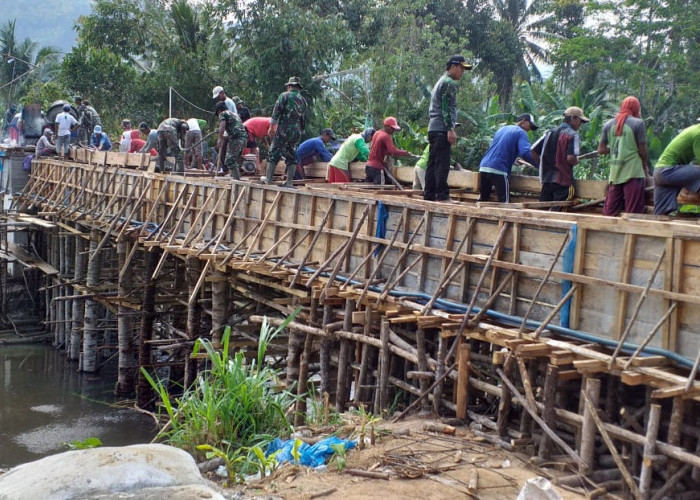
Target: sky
point(45, 22)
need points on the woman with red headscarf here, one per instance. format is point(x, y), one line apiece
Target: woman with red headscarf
point(624, 139)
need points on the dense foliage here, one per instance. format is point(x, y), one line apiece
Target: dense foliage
point(232, 408)
point(538, 57)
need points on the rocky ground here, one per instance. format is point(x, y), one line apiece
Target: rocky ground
point(416, 458)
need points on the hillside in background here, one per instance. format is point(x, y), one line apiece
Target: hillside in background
point(47, 23)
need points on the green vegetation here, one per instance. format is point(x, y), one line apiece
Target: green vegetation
point(232, 410)
point(537, 57)
point(86, 444)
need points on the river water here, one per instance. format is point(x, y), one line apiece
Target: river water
point(45, 402)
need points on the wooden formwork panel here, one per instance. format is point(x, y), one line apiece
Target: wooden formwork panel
point(611, 261)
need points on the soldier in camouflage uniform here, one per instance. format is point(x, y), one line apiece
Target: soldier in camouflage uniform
point(87, 119)
point(231, 124)
point(170, 131)
point(287, 123)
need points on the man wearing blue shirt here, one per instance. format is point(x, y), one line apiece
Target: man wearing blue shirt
point(508, 143)
point(313, 149)
point(99, 140)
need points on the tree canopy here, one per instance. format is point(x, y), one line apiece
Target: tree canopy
point(362, 61)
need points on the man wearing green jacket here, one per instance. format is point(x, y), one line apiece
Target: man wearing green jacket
point(677, 168)
point(287, 123)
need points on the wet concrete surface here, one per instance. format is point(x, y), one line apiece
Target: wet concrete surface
point(45, 402)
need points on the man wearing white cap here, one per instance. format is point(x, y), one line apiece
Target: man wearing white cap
point(558, 152)
point(219, 94)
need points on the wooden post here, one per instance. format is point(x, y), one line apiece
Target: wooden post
point(649, 450)
point(127, 358)
point(341, 390)
point(464, 354)
point(383, 368)
point(361, 389)
point(587, 449)
point(325, 354)
point(506, 400)
point(440, 371)
point(302, 387)
point(143, 388)
point(219, 307)
point(194, 317)
point(90, 330)
point(548, 415)
point(674, 431)
point(422, 365)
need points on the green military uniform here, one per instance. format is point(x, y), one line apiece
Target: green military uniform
point(170, 131)
point(237, 139)
point(290, 116)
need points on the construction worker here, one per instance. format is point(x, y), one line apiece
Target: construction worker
point(382, 146)
point(557, 153)
point(219, 94)
point(287, 123)
point(170, 132)
point(241, 108)
point(99, 140)
point(150, 135)
point(230, 125)
point(83, 128)
point(624, 138)
point(313, 149)
point(508, 143)
point(420, 168)
point(677, 169)
point(45, 146)
point(258, 128)
point(441, 129)
point(353, 149)
point(125, 141)
point(66, 124)
point(194, 150)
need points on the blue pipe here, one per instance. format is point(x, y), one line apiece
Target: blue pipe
point(458, 308)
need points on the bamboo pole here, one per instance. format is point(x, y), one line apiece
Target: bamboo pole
point(464, 354)
point(592, 389)
point(533, 413)
point(318, 233)
point(649, 451)
point(554, 311)
point(637, 308)
point(611, 446)
point(379, 262)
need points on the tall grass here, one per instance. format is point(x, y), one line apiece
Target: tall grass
point(232, 407)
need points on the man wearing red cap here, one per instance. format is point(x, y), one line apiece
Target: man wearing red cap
point(382, 145)
point(441, 129)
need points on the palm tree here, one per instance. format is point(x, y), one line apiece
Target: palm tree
point(531, 27)
point(25, 62)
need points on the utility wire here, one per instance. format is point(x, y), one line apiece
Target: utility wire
point(191, 103)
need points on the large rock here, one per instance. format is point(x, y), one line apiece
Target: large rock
point(135, 472)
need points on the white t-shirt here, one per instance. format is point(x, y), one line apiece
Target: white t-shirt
point(193, 124)
point(65, 121)
point(125, 141)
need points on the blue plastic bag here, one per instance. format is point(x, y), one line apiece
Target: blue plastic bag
point(309, 455)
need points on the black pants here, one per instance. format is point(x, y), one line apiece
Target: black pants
point(436, 188)
point(374, 175)
point(498, 182)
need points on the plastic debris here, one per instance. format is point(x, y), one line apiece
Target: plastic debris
point(309, 455)
point(538, 488)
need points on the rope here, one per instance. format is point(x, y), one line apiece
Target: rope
point(191, 103)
